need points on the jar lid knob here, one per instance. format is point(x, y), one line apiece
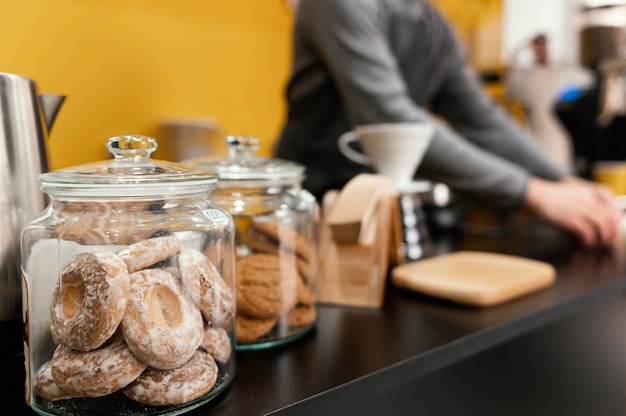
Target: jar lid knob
point(242, 146)
point(125, 147)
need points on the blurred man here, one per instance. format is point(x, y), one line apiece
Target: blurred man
point(373, 61)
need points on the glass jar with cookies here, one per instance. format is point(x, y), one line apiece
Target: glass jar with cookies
point(276, 223)
point(128, 279)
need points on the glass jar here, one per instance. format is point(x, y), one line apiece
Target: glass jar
point(128, 288)
point(276, 237)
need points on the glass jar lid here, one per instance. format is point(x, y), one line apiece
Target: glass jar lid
point(242, 167)
point(131, 172)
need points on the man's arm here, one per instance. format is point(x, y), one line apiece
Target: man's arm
point(349, 35)
point(474, 115)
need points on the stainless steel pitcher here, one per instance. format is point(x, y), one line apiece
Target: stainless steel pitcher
point(25, 121)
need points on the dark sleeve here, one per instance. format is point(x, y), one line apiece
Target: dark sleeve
point(349, 37)
point(476, 117)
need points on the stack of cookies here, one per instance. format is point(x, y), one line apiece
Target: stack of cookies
point(275, 299)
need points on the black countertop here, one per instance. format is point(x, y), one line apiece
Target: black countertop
point(355, 355)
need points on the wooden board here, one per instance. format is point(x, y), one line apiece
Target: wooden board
point(474, 278)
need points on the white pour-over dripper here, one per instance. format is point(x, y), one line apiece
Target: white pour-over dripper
point(392, 149)
point(396, 150)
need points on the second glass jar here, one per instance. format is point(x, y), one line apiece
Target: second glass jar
point(276, 237)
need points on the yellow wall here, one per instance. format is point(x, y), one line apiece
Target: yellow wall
point(478, 24)
point(127, 64)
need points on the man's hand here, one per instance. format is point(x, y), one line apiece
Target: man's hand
point(584, 208)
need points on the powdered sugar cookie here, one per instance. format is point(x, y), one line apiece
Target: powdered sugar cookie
point(180, 385)
point(89, 300)
point(206, 286)
point(161, 325)
point(95, 373)
point(145, 253)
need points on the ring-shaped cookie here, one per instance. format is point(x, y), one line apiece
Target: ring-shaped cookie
point(95, 373)
point(216, 341)
point(161, 325)
point(89, 300)
point(46, 387)
point(171, 387)
point(145, 253)
point(206, 286)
